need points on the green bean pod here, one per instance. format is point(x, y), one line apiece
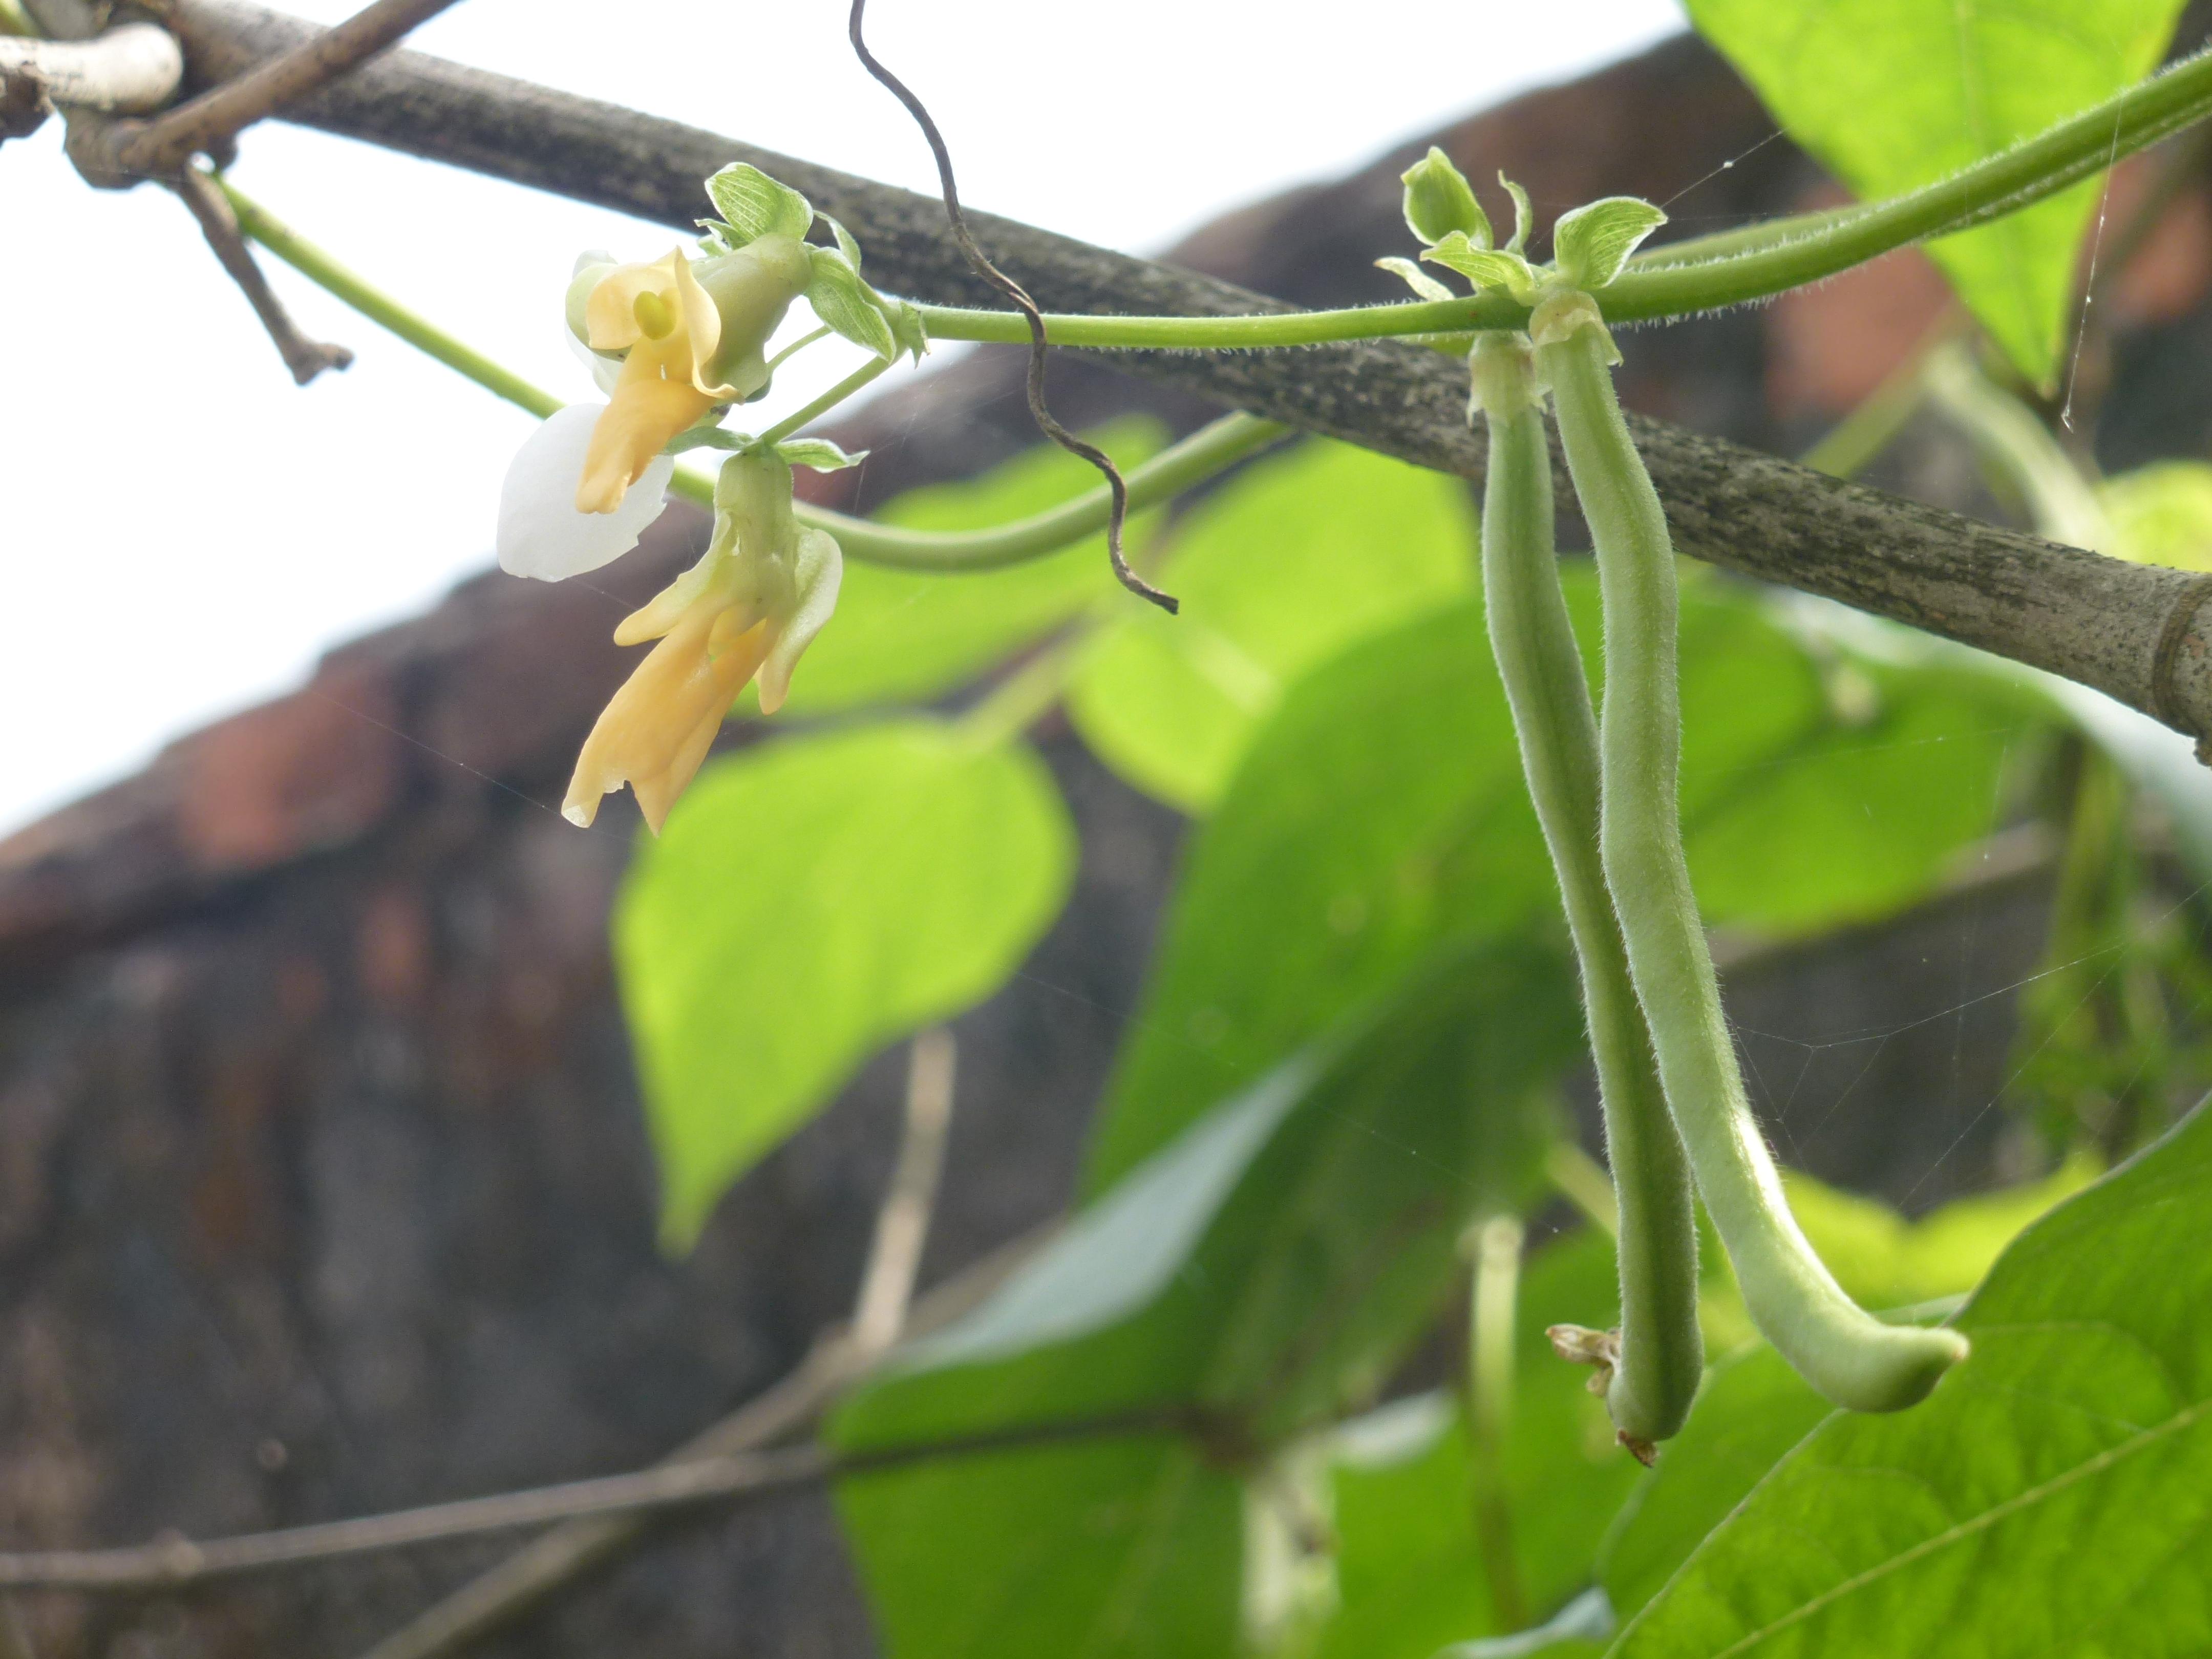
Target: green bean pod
point(1849, 1357)
point(1661, 1356)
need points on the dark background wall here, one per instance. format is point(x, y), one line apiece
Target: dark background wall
point(323, 1187)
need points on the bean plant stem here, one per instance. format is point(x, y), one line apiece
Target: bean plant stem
point(1662, 1355)
point(1729, 269)
point(829, 400)
point(1849, 1357)
point(1209, 451)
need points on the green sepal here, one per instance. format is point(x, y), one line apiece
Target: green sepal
point(849, 305)
point(1415, 278)
point(912, 331)
point(754, 205)
point(847, 244)
point(708, 437)
point(1485, 267)
point(1524, 217)
point(819, 453)
point(1439, 201)
point(1592, 243)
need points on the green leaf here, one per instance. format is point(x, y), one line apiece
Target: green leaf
point(1260, 1274)
point(1128, 1544)
point(847, 305)
point(1381, 810)
point(1891, 94)
point(755, 205)
point(1906, 765)
point(2054, 1495)
point(811, 900)
point(2161, 513)
point(907, 636)
point(1301, 556)
point(1591, 243)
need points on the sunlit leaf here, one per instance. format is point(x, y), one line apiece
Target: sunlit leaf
point(907, 636)
point(1891, 94)
point(1301, 556)
point(2161, 513)
point(811, 900)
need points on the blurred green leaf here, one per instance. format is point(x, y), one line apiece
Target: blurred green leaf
point(811, 900)
point(1410, 1572)
point(1267, 1262)
point(908, 637)
point(2161, 513)
point(1299, 556)
point(1110, 1546)
point(1258, 1276)
point(1891, 94)
point(2054, 1495)
point(1381, 810)
point(1852, 821)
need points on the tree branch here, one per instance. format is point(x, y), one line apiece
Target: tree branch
point(135, 68)
point(305, 358)
point(903, 1223)
point(206, 125)
point(2091, 619)
point(169, 1563)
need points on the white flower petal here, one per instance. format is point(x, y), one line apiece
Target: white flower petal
point(821, 569)
point(605, 370)
point(541, 534)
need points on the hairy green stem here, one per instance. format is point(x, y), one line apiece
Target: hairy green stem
point(1727, 268)
point(1849, 1357)
point(1662, 1355)
point(1210, 450)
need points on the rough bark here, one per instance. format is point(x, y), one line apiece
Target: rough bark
point(2092, 619)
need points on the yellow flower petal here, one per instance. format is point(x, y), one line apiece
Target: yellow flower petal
point(650, 735)
point(643, 413)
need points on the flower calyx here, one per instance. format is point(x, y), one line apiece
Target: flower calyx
point(748, 610)
point(1561, 311)
point(1591, 244)
point(754, 206)
point(1502, 374)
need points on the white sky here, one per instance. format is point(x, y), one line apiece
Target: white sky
point(183, 531)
